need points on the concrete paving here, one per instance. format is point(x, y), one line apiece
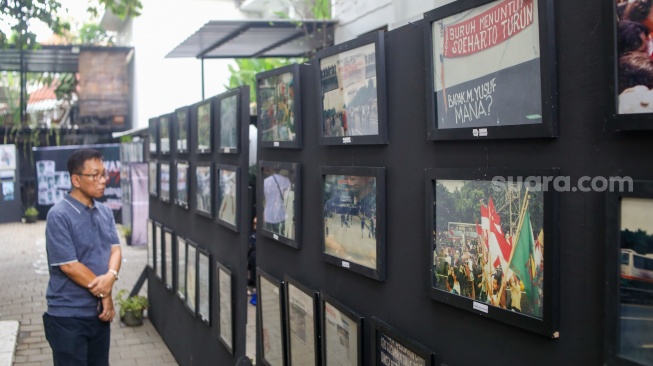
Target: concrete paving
point(23, 281)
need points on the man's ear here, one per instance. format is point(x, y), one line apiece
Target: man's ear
point(74, 179)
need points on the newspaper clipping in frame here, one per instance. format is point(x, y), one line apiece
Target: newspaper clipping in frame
point(302, 333)
point(486, 62)
point(341, 337)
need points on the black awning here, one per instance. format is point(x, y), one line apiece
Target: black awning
point(55, 59)
point(256, 38)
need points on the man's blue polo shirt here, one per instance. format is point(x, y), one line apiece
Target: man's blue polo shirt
point(77, 233)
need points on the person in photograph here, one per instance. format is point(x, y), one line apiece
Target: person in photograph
point(84, 258)
point(227, 210)
point(635, 81)
point(40, 168)
point(203, 189)
point(275, 188)
point(631, 37)
point(640, 11)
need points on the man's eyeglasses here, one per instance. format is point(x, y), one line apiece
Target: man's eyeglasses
point(97, 176)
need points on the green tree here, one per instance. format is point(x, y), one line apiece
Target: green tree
point(94, 34)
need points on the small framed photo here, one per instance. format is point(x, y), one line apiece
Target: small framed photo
point(491, 77)
point(229, 122)
point(164, 181)
point(270, 325)
point(225, 311)
point(182, 249)
point(8, 157)
point(167, 255)
point(302, 337)
point(279, 108)
point(353, 219)
point(279, 201)
point(158, 251)
point(150, 244)
point(153, 178)
point(228, 181)
point(164, 134)
point(391, 347)
point(352, 92)
point(203, 189)
point(182, 117)
point(152, 134)
point(493, 243)
point(181, 193)
point(204, 288)
point(191, 277)
point(204, 115)
point(342, 333)
point(628, 274)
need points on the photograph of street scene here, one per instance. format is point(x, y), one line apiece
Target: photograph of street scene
point(349, 95)
point(277, 113)
point(229, 122)
point(488, 243)
point(350, 218)
point(204, 128)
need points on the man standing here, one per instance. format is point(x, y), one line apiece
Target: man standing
point(84, 258)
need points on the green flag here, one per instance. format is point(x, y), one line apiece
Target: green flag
point(523, 263)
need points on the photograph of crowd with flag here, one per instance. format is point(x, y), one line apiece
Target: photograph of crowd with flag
point(488, 243)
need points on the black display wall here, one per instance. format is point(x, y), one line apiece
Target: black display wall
point(192, 341)
point(584, 148)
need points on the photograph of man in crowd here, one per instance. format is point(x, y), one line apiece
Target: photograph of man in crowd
point(203, 189)
point(276, 113)
point(279, 201)
point(350, 218)
point(488, 243)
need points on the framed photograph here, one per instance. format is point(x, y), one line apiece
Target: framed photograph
point(203, 189)
point(353, 219)
point(342, 333)
point(182, 248)
point(204, 113)
point(164, 181)
point(491, 70)
point(204, 288)
point(279, 108)
point(229, 122)
point(182, 116)
point(150, 244)
point(301, 324)
point(629, 274)
point(494, 244)
point(227, 193)
point(270, 324)
point(152, 134)
point(167, 254)
point(181, 193)
point(164, 134)
point(352, 92)
point(279, 194)
point(225, 311)
point(391, 347)
point(153, 178)
point(8, 157)
point(158, 251)
point(191, 277)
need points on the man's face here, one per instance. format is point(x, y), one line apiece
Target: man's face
point(357, 183)
point(86, 183)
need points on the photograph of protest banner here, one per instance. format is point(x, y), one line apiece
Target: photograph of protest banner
point(204, 115)
point(228, 124)
point(153, 178)
point(629, 275)
point(490, 253)
point(270, 330)
point(353, 219)
point(352, 92)
point(181, 193)
point(301, 323)
point(203, 189)
point(164, 134)
point(164, 181)
point(491, 70)
point(342, 331)
point(152, 135)
point(391, 347)
point(278, 197)
point(228, 200)
point(182, 122)
point(279, 107)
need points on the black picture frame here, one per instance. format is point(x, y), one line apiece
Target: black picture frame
point(168, 241)
point(203, 123)
point(182, 119)
point(353, 204)
point(472, 108)
point(227, 192)
point(164, 181)
point(332, 313)
point(228, 126)
point(182, 169)
point(226, 303)
point(182, 254)
point(203, 188)
point(357, 51)
point(627, 273)
point(525, 217)
point(282, 189)
point(165, 137)
point(153, 135)
point(384, 336)
point(302, 321)
point(153, 178)
point(270, 323)
point(191, 277)
point(151, 246)
point(274, 102)
point(204, 285)
point(158, 250)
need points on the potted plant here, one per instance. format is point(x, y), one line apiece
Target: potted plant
point(131, 308)
point(31, 215)
point(127, 232)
